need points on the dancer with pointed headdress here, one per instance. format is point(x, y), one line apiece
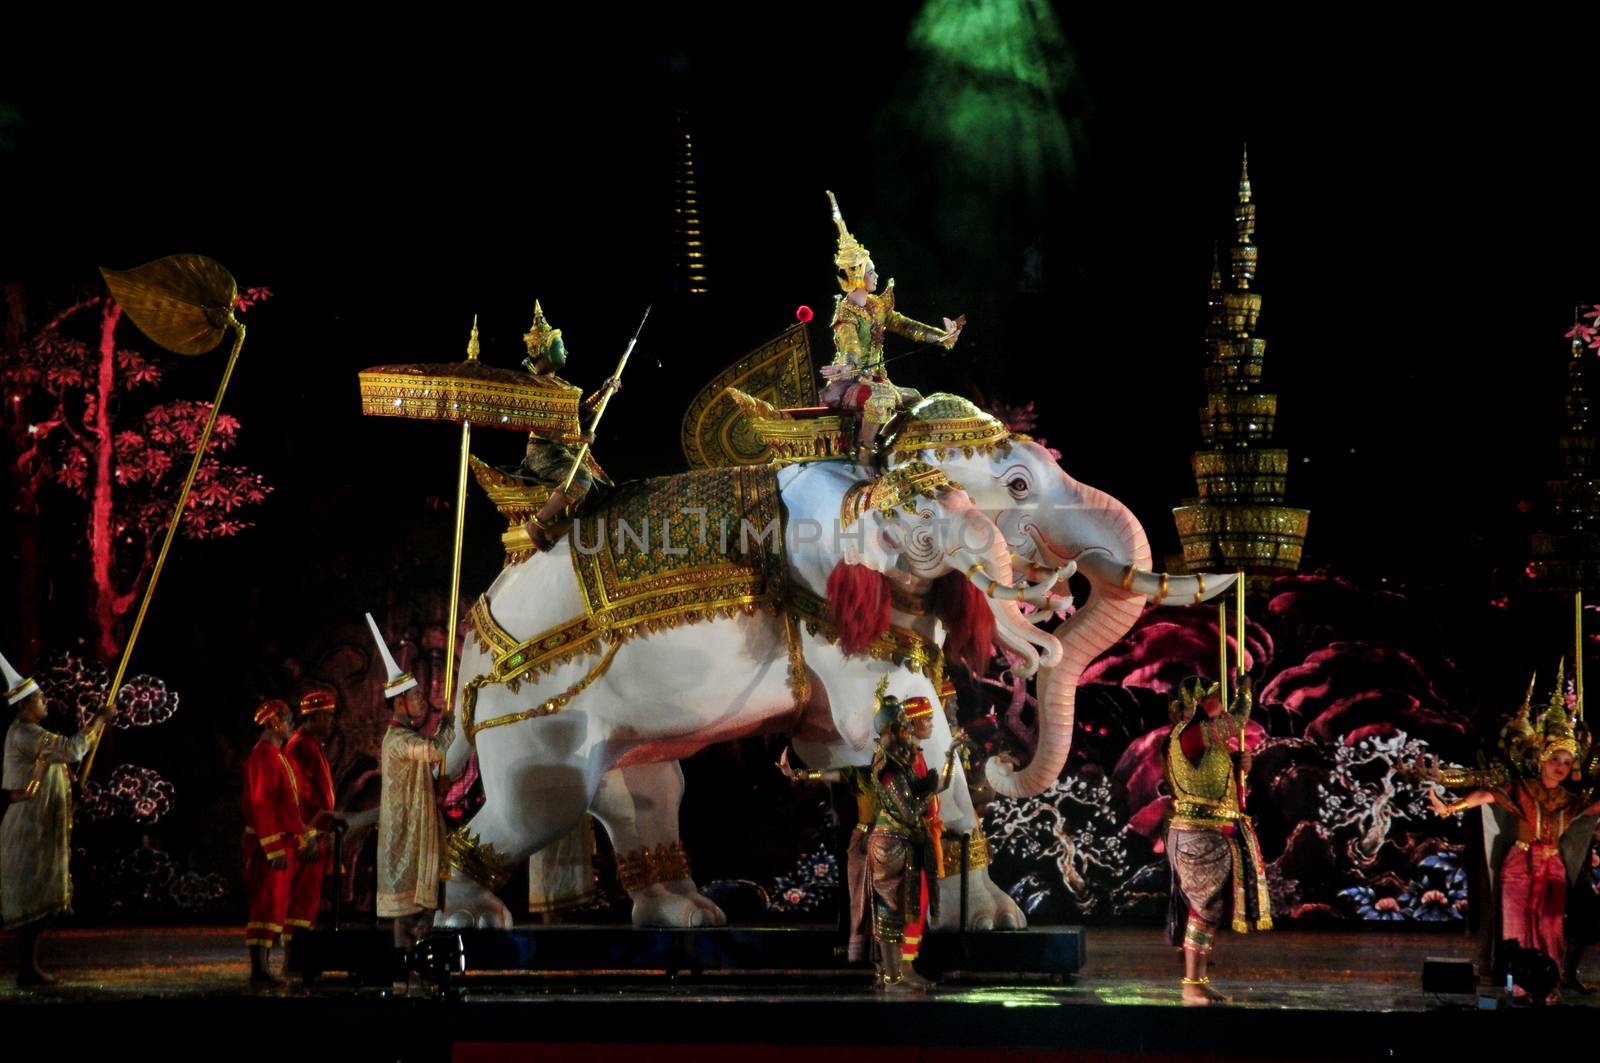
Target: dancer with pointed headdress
point(856, 380)
point(1541, 817)
point(1210, 842)
point(35, 882)
point(551, 454)
point(410, 831)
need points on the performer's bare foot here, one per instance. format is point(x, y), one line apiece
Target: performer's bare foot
point(1198, 993)
point(916, 980)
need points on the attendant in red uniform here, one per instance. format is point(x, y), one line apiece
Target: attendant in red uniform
point(273, 834)
point(314, 782)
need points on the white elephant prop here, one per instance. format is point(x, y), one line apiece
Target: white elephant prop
point(598, 665)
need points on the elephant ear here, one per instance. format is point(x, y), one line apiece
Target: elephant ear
point(858, 605)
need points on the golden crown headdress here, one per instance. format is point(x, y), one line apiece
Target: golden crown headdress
point(1187, 696)
point(852, 258)
point(1528, 744)
point(540, 335)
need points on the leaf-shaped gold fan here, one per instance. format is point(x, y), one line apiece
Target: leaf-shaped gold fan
point(183, 302)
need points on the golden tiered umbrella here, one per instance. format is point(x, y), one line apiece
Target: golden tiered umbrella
point(470, 393)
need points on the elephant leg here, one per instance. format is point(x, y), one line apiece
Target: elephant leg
point(638, 805)
point(533, 804)
point(988, 906)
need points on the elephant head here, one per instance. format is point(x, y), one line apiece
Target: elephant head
point(1050, 522)
point(914, 526)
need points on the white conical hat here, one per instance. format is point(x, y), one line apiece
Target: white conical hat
point(17, 687)
point(399, 682)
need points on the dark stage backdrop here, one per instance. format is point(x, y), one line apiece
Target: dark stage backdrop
point(1424, 198)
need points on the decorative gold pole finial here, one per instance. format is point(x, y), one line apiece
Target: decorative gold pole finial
point(1244, 176)
point(472, 341)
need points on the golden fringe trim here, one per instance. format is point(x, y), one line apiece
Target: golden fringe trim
point(483, 864)
point(638, 868)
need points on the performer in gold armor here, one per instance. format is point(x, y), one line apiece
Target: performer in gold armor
point(904, 843)
point(1210, 842)
point(549, 458)
point(1540, 821)
point(856, 381)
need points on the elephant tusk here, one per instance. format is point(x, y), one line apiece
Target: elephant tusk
point(1158, 586)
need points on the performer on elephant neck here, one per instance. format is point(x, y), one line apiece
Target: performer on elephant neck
point(549, 459)
point(856, 381)
point(1542, 828)
point(1211, 844)
point(314, 786)
point(858, 877)
point(904, 843)
point(275, 840)
point(410, 830)
point(35, 884)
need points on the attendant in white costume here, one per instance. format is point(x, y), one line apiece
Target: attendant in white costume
point(35, 883)
point(410, 830)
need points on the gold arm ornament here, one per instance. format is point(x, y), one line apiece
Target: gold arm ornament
point(608, 389)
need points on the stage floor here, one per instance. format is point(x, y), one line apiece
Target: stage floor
point(1304, 994)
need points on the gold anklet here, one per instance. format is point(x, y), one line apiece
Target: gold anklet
point(1197, 981)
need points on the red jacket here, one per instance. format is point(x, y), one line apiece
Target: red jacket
point(271, 803)
point(314, 779)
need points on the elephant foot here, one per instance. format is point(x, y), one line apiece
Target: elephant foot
point(988, 906)
point(469, 906)
point(659, 904)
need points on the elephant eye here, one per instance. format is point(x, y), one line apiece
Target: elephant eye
point(1018, 486)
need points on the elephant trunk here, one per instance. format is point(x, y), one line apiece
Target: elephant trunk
point(1111, 611)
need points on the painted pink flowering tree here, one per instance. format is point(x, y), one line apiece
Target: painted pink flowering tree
point(75, 421)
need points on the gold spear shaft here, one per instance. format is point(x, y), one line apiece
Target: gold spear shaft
point(455, 557)
point(605, 400)
point(166, 543)
point(1222, 651)
point(1577, 650)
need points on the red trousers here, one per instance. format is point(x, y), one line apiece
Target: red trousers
point(305, 894)
point(1533, 900)
point(267, 892)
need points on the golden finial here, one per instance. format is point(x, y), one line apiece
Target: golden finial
point(472, 341)
point(1527, 699)
point(851, 258)
point(1244, 176)
point(1558, 696)
point(540, 335)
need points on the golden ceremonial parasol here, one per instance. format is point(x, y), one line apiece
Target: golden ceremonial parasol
point(185, 304)
point(469, 393)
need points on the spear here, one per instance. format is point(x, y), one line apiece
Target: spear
point(605, 398)
point(1244, 719)
point(185, 304)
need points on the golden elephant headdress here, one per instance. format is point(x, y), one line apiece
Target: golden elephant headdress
point(1528, 743)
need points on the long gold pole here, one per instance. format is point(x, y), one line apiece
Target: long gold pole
point(455, 560)
point(1577, 650)
point(1222, 651)
point(1239, 606)
point(166, 543)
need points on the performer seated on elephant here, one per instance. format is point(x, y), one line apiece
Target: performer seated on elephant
point(35, 885)
point(1211, 844)
point(549, 459)
point(904, 843)
point(1540, 825)
point(857, 875)
point(856, 382)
